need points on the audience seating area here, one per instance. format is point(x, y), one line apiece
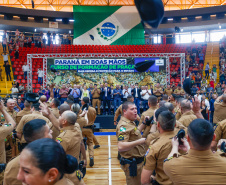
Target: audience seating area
point(37, 63)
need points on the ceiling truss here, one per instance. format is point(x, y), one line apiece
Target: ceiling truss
point(67, 5)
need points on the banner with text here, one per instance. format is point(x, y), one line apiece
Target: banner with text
point(91, 65)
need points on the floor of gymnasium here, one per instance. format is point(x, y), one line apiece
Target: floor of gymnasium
point(106, 169)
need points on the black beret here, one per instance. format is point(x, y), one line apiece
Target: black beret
point(187, 85)
point(151, 11)
point(32, 97)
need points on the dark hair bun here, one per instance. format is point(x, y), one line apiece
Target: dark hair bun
point(71, 164)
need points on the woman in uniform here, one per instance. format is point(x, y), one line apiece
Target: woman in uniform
point(45, 162)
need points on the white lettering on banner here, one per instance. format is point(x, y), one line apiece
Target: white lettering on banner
point(159, 62)
point(90, 61)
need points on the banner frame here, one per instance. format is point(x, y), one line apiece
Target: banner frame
point(44, 57)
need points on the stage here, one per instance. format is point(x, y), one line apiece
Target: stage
point(105, 122)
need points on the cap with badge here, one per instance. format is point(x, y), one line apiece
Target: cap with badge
point(151, 11)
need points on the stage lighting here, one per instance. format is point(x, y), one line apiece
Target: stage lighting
point(177, 29)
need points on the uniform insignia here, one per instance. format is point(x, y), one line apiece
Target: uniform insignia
point(122, 129)
point(214, 128)
point(58, 140)
point(135, 129)
point(144, 160)
point(147, 151)
point(78, 175)
point(120, 138)
point(168, 159)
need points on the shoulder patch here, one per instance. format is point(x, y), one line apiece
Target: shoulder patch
point(120, 138)
point(58, 140)
point(147, 151)
point(122, 129)
point(135, 129)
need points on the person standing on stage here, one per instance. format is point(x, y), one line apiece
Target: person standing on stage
point(136, 94)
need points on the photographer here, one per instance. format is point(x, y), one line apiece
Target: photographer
point(5, 130)
point(199, 162)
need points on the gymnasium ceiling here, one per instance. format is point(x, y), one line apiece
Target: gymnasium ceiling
point(67, 5)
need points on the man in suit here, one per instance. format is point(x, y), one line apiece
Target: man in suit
point(56, 91)
point(106, 95)
point(136, 94)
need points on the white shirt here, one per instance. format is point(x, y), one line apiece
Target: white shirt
point(25, 68)
point(106, 91)
point(64, 36)
point(14, 90)
point(125, 95)
point(40, 74)
point(146, 96)
point(207, 103)
point(136, 93)
point(5, 57)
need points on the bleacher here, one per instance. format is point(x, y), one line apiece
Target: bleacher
point(37, 63)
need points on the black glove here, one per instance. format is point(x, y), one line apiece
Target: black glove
point(149, 121)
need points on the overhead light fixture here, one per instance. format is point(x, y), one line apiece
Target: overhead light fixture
point(219, 26)
point(59, 20)
point(70, 31)
point(35, 30)
point(23, 5)
point(170, 19)
point(71, 20)
point(52, 7)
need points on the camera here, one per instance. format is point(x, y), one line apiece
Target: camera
point(2, 167)
point(223, 147)
point(149, 121)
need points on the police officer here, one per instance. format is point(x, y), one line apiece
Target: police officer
point(55, 103)
point(10, 144)
point(187, 115)
point(199, 165)
point(88, 129)
point(168, 91)
point(219, 109)
point(119, 110)
point(158, 150)
point(33, 130)
point(35, 115)
point(220, 132)
point(179, 91)
point(5, 129)
point(25, 111)
point(70, 137)
point(96, 98)
point(154, 133)
point(158, 91)
point(152, 103)
point(131, 145)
